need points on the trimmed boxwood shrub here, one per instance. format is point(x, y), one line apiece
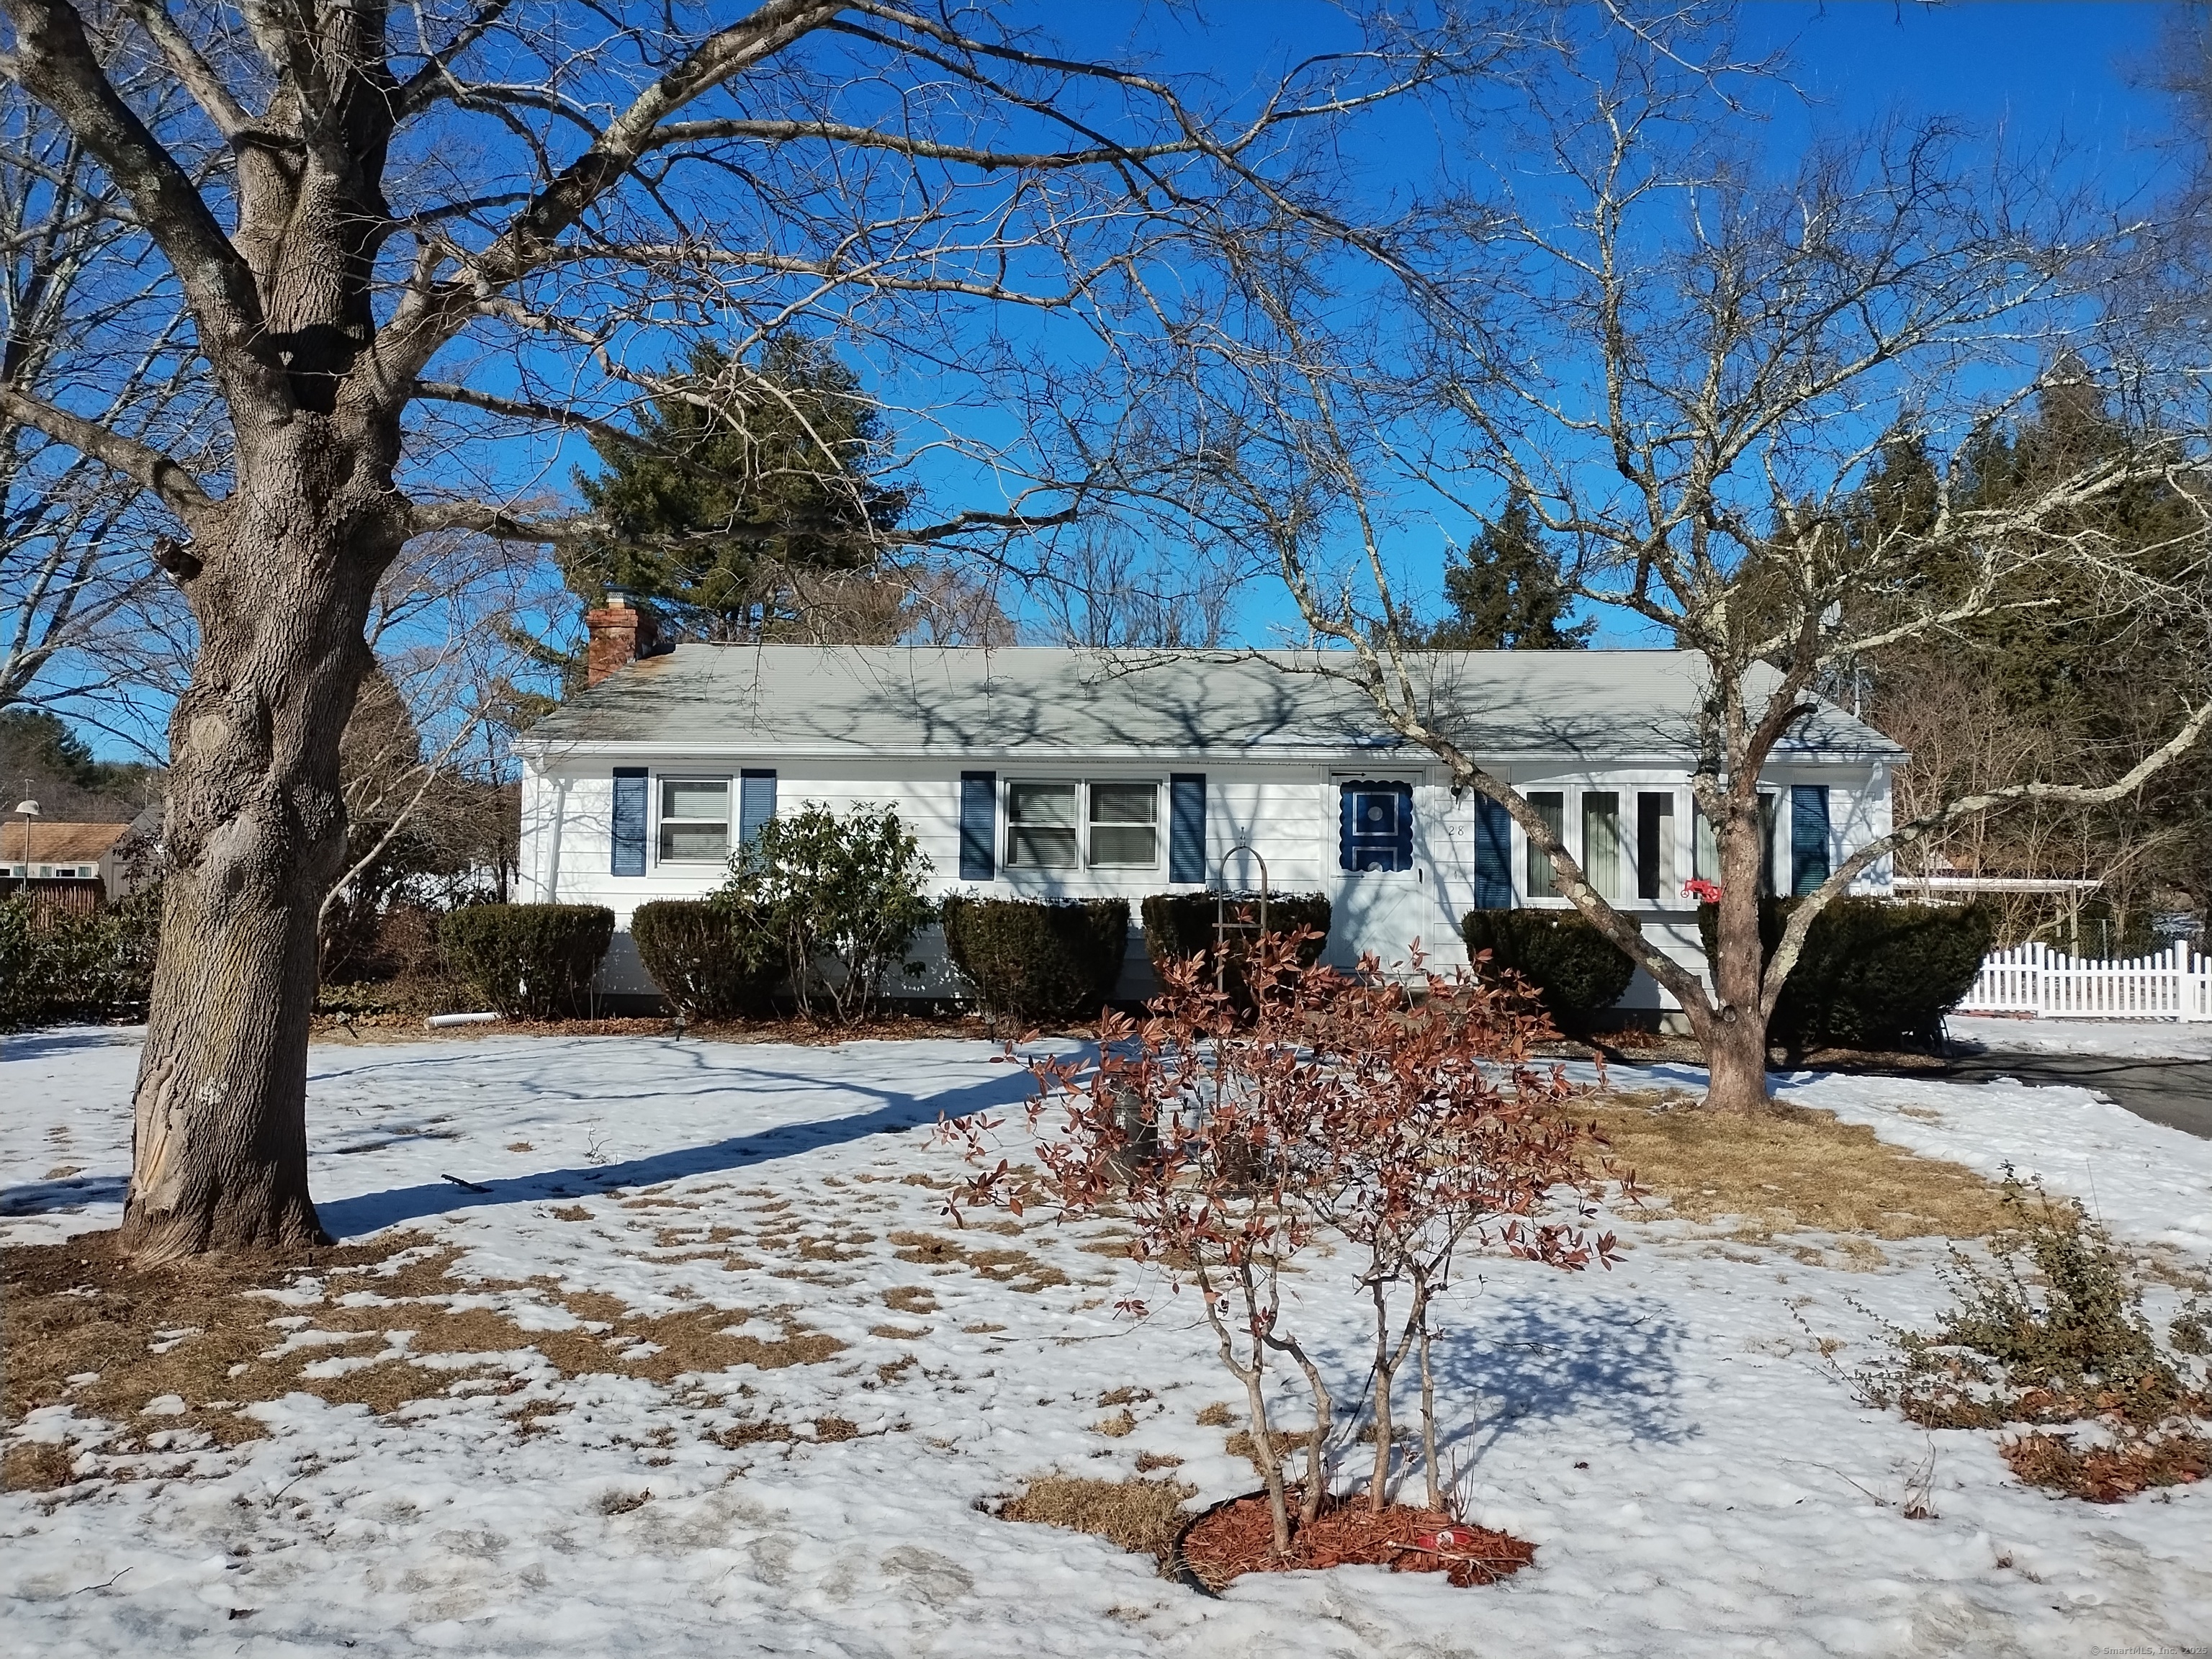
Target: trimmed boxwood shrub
point(1179, 925)
point(1873, 975)
point(1034, 959)
point(528, 961)
point(709, 956)
point(1577, 970)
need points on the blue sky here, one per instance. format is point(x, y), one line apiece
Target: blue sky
point(2060, 78)
point(2041, 74)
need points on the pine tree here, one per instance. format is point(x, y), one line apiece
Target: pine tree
point(1506, 592)
point(746, 480)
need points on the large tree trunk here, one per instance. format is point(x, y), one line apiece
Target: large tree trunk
point(1734, 1037)
point(254, 833)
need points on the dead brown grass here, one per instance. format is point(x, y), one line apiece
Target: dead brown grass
point(210, 1333)
point(1794, 1171)
point(1242, 1444)
point(36, 1466)
point(1140, 1516)
point(1017, 1269)
point(1216, 1416)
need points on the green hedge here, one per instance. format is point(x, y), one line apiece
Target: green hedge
point(97, 966)
point(709, 956)
point(1180, 925)
point(1035, 959)
point(528, 961)
point(1577, 970)
point(1872, 974)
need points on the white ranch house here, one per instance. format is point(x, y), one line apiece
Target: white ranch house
point(1075, 773)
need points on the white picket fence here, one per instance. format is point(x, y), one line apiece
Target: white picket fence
point(2034, 979)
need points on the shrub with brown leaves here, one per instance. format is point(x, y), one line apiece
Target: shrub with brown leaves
point(1228, 1132)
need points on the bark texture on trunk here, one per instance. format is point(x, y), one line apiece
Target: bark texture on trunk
point(254, 831)
point(280, 577)
point(1735, 1036)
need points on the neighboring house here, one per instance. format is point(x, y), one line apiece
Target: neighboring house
point(1066, 773)
point(78, 853)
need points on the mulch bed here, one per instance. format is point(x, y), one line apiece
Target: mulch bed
point(1238, 1537)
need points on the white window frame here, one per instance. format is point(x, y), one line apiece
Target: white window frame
point(1077, 825)
point(661, 821)
point(1091, 861)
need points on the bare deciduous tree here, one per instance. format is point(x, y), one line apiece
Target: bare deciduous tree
point(376, 218)
point(86, 614)
point(1690, 369)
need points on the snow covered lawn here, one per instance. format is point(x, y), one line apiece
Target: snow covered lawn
point(1696, 1479)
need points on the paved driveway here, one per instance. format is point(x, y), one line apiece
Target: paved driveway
point(2175, 1092)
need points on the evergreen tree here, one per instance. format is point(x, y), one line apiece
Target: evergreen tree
point(1506, 592)
point(747, 479)
point(2056, 665)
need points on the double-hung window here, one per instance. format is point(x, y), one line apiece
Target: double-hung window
point(1655, 845)
point(1601, 849)
point(1111, 824)
point(1040, 826)
point(694, 820)
point(1550, 806)
point(1125, 824)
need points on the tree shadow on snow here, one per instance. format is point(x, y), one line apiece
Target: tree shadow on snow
point(1608, 1364)
point(73, 1193)
point(69, 1039)
point(350, 1217)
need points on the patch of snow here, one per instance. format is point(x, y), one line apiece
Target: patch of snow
point(1737, 1499)
point(2132, 1039)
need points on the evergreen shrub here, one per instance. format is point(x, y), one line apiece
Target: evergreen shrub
point(1575, 969)
point(95, 966)
point(838, 898)
point(528, 961)
point(1038, 959)
point(1873, 975)
point(710, 957)
point(1180, 925)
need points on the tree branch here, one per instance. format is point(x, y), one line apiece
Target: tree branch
point(55, 64)
point(141, 463)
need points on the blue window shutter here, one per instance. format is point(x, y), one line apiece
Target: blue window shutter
point(756, 804)
point(979, 825)
point(1808, 836)
point(629, 822)
point(1186, 826)
point(1493, 855)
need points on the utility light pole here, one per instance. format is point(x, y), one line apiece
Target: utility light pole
point(29, 809)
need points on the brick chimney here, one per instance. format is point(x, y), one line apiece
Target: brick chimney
point(620, 633)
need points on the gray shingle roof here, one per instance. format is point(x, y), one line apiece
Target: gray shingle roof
point(925, 700)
